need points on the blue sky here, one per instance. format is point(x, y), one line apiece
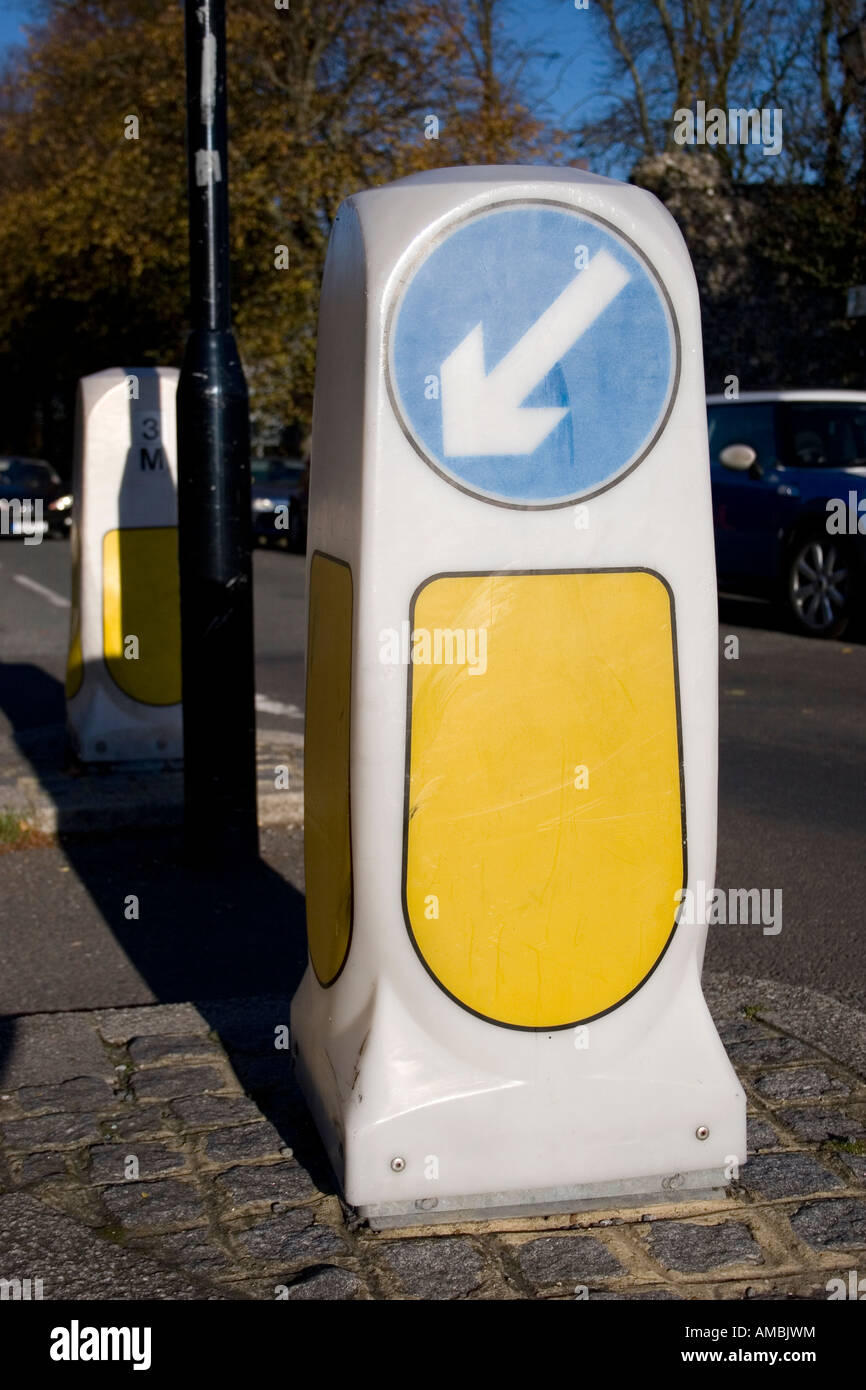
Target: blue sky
point(554, 25)
point(12, 16)
point(568, 84)
point(571, 81)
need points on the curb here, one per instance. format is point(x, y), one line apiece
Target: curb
point(66, 815)
point(142, 798)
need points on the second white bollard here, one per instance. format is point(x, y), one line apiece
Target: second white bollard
point(123, 673)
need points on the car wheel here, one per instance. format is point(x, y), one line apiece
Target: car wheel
point(819, 585)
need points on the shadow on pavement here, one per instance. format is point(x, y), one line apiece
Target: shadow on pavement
point(231, 940)
point(755, 613)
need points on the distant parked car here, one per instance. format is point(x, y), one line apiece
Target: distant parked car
point(280, 489)
point(27, 481)
point(788, 472)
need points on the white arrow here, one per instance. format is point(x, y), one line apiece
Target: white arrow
point(482, 414)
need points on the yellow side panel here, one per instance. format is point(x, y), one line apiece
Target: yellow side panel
point(141, 599)
point(327, 832)
point(74, 663)
point(75, 657)
point(545, 834)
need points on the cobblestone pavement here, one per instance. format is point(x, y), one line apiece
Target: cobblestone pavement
point(165, 1152)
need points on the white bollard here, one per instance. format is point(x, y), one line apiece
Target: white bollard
point(123, 673)
point(511, 730)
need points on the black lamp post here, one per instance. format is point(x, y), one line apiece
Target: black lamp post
point(214, 488)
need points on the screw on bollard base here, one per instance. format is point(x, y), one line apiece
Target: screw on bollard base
point(214, 488)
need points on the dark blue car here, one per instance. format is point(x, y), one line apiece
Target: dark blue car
point(279, 493)
point(788, 473)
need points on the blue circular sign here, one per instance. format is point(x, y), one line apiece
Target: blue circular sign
point(533, 355)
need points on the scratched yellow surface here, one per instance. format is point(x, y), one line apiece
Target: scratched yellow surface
point(141, 599)
point(327, 834)
point(75, 657)
point(545, 837)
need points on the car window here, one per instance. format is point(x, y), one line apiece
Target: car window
point(29, 473)
point(821, 434)
point(34, 475)
point(743, 423)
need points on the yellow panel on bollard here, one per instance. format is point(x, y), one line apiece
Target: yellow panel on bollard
point(512, 663)
point(327, 832)
point(123, 672)
point(580, 874)
point(141, 594)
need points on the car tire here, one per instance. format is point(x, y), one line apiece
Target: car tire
point(818, 584)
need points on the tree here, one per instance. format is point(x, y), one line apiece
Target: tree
point(731, 54)
point(775, 239)
point(323, 100)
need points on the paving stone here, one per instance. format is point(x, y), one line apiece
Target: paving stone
point(798, 1084)
point(817, 1124)
point(760, 1135)
point(856, 1165)
point(329, 1283)
point(211, 1112)
point(170, 1083)
point(759, 1052)
point(39, 1166)
point(155, 1049)
point(38, 1241)
point(787, 1175)
point(143, 1205)
point(138, 1122)
point(108, 1161)
point(566, 1260)
point(44, 1048)
point(272, 1182)
point(771, 1293)
point(81, 1093)
point(831, 1224)
point(737, 1030)
point(635, 1296)
point(435, 1268)
point(695, 1249)
point(51, 1131)
point(193, 1250)
point(247, 1141)
point(247, 1025)
point(291, 1238)
point(273, 1069)
point(121, 1025)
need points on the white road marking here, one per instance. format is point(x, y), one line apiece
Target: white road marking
point(57, 599)
point(267, 706)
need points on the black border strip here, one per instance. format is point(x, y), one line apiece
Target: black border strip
point(397, 299)
point(508, 574)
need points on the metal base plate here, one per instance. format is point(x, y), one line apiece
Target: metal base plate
point(700, 1185)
